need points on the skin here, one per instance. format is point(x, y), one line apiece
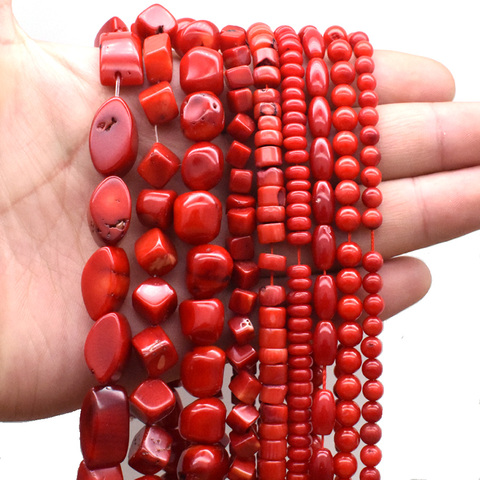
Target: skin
point(48, 98)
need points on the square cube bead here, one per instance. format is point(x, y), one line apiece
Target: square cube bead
point(238, 154)
point(240, 100)
point(241, 248)
point(236, 56)
point(158, 103)
point(157, 55)
point(242, 301)
point(245, 274)
point(232, 36)
point(121, 54)
point(240, 180)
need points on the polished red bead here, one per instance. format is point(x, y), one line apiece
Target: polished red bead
point(345, 464)
point(371, 176)
point(202, 371)
point(366, 81)
point(157, 56)
point(152, 400)
point(155, 252)
point(372, 326)
point(238, 154)
point(370, 433)
point(272, 295)
point(242, 417)
point(245, 387)
point(372, 411)
point(324, 343)
point(241, 221)
point(232, 36)
point(242, 356)
point(158, 103)
point(370, 455)
point(323, 412)
point(345, 143)
point(241, 127)
point(155, 350)
point(202, 117)
point(321, 159)
point(347, 192)
point(239, 77)
point(107, 347)
point(316, 78)
point(150, 450)
point(273, 374)
point(345, 118)
point(201, 68)
point(349, 280)
point(372, 261)
point(347, 168)
point(242, 301)
point(203, 421)
point(197, 217)
point(271, 177)
point(348, 387)
point(372, 368)
point(110, 210)
point(367, 98)
point(319, 117)
point(372, 282)
point(244, 445)
point(323, 247)
point(155, 19)
point(236, 57)
point(158, 166)
point(323, 202)
point(347, 439)
point(205, 462)
point(371, 347)
point(104, 427)
point(105, 281)
point(113, 139)
point(202, 321)
point(121, 55)
point(348, 412)
point(114, 24)
point(242, 469)
point(350, 333)
point(313, 42)
point(343, 95)
point(348, 218)
point(342, 72)
point(240, 248)
point(245, 274)
point(199, 33)
point(155, 300)
point(372, 197)
point(242, 329)
point(155, 208)
point(348, 360)
point(349, 254)
point(111, 473)
point(240, 100)
point(202, 166)
point(368, 116)
point(321, 464)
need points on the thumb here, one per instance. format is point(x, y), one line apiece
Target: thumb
point(9, 30)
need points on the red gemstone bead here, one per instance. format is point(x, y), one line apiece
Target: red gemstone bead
point(348, 412)
point(245, 274)
point(155, 252)
point(316, 78)
point(202, 371)
point(347, 439)
point(202, 166)
point(323, 202)
point(158, 166)
point(121, 55)
point(203, 421)
point(313, 42)
point(150, 450)
point(244, 445)
point(232, 36)
point(242, 417)
point(241, 127)
point(198, 33)
point(155, 300)
point(156, 350)
point(345, 118)
point(104, 427)
point(342, 72)
point(152, 400)
point(240, 100)
point(347, 192)
point(242, 356)
point(350, 333)
point(202, 117)
point(242, 301)
point(110, 210)
point(202, 320)
point(240, 248)
point(242, 469)
point(348, 360)
point(321, 159)
point(157, 56)
point(239, 77)
point(107, 347)
point(345, 464)
point(343, 95)
point(323, 412)
point(319, 117)
point(372, 411)
point(323, 247)
point(113, 138)
point(105, 281)
point(349, 254)
point(155, 19)
point(155, 208)
point(205, 462)
point(370, 433)
point(197, 217)
point(158, 103)
point(348, 218)
point(241, 221)
point(242, 329)
point(349, 280)
point(324, 343)
point(321, 464)
point(201, 68)
point(348, 387)
point(114, 24)
point(333, 33)
point(111, 473)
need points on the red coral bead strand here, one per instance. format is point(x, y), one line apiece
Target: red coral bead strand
point(270, 230)
point(373, 304)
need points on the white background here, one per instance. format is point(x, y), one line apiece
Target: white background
point(431, 359)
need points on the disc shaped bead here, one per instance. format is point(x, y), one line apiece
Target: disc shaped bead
point(155, 300)
point(197, 217)
point(113, 139)
point(202, 321)
point(105, 281)
point(201, 68)
point(104, 427)
point(202, 371)
point(209, 269)
point(152, 400)
point(158, 166)
point(323, 412)
point(155, 252)
point(202, 117)
point(202, 166)
point(206, 462)
point(107, 347)
point(110, 210)
point(203, 421)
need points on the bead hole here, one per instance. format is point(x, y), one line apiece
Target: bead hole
point(106, 126)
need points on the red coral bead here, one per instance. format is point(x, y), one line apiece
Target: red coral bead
point(232, 36)
point(321, 159)
point(155, 300)
point(113, 139)
point(155, 208)
point(203, 421)
point(158, 103)
point(157, 56)
point(342, 72)
point(111, 473)
point(348, 412)
point(313, 42)
point(104, 427)
point(202, 321)
point(242, 469)
point(202, 166)
point(155, 19)
point(107, 347)
point(202, 117)
point(245, 387)
point(237, 56)
point(158, 166)
point(242, 417)
point(114, 24)
point(110, 210)
point(197, 217)
point(316, 77)
point(201, 68)
point(323, 202)
point(105, 281)
point(323, 247)
point(323, 412)
point(242, 329)
point(324, 343)
point(199, 33)
point(202, 371)
point(155, 252)
point(321, 464)
point(319, 117)
point(205, 462)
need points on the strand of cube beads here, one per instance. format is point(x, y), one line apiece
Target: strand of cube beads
point(281, 420)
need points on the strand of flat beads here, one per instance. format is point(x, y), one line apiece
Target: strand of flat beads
point(370, 432)
point(197, 221)
point(104, 417)
point(273, 352)
point(240, 207)
point(324, 245)
point(298, 210)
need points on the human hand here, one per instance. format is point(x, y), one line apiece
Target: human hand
point(49, 96)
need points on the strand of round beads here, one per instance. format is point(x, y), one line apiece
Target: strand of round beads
point(373, 304)
point(244, 442)
point(270, 229)
point(298, 211)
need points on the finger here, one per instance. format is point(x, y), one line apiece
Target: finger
point(426, 210)
point(423, 138)
point(410, 78)
point(8, 26)
point(406, 280)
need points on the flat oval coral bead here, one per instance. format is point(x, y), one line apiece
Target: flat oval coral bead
point(323, 412)
point(110, 210)
point(197, 217)
point(113, 138)
point(202, 371)
point(202, 321)
point(107, 347)
point(155, 252)
point(202, 166)
point(104, 427)
point(105, 281)
point(155, 300)
point(202, 117)
point(203, 421)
